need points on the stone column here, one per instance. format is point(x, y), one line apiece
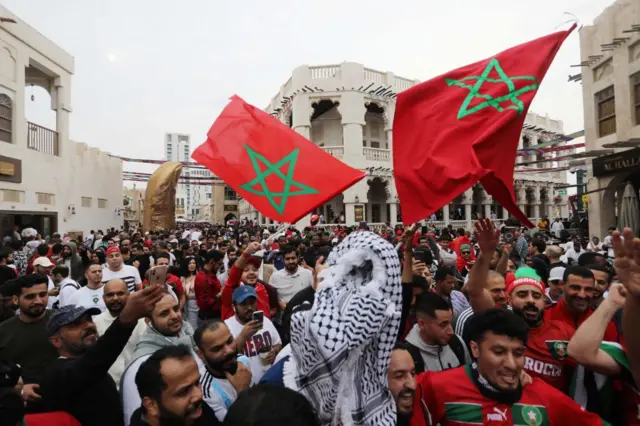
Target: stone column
point(368, 210)
point(445, 214)
point(393, 211)
point(352, 110)
point(467, 217)
point(505, 213)
point(62, 106)
point(302, 112)
point(349, 214)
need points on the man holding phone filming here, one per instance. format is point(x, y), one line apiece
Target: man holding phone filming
point(255, 335)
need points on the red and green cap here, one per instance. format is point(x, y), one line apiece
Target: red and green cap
point(525, 276)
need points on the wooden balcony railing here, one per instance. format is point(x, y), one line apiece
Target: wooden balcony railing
point(42, 139)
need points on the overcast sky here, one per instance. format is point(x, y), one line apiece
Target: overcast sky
point(146, 67)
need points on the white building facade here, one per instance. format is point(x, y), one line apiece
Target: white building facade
point(610, 64)
point(192, 199)
point(47, 181)
point(348, 110)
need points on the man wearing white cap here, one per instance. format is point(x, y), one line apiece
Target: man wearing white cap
point(43, 266)
point(554, 291)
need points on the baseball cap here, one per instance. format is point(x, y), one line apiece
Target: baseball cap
point(556, 274)
point(174, 241)
point(43, 261)
point(243, 292)
point(68, 315)
point(112, 250)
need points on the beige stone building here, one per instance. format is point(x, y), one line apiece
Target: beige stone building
point(224, 204)
point(133, 205)
point(610, 64)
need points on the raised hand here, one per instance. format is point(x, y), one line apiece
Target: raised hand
point(617, 295)
point(486, 236)
point(141, 303)
point(252, 248)
point(627, 260)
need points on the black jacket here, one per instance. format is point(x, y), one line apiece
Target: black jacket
point(208, 418)
point(83, 387)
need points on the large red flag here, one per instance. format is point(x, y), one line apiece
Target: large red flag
point(463, 127)
point(277, 170)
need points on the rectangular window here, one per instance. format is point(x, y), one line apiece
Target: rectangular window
point(85, 201)
point(635, 85)
point(6, 122)
point(102, 203)
point(606, 111)
point(11, 196)
point(230, 194)
point(43, 198)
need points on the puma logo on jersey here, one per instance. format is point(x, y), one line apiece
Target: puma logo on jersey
point(543, 368)
point(497, 415)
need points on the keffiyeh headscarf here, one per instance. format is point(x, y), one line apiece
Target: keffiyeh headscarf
point(342, 344)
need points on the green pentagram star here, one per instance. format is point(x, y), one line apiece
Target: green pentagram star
point(474, 91)
point(290, 158)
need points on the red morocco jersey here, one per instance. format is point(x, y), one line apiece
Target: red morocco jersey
point(450, 398)
point(546, 354)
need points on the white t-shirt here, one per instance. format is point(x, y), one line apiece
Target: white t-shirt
point(288, 284)
point(219, 394)
point(266, 336)
point(52, 299)
point(88, 298)
point(67, 288)
point(129, 274)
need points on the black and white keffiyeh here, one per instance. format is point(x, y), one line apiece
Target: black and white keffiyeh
point(341, 346)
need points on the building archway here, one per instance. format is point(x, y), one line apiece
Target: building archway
point(612, 198)
point(326, 124)
point(373, 133)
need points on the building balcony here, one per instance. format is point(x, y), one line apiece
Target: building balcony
point(42, 139)
point(335, 151)
point(376, 154)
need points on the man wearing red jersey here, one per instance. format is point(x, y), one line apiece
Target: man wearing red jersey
point(607, 358)
point(545, 355)
point(489, 391)
point(574, 308)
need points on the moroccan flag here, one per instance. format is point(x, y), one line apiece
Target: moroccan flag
point(463, 127)
point(278, 171)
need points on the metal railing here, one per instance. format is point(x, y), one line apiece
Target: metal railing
point(42, 139)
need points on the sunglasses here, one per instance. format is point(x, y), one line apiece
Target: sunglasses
point(465, 252)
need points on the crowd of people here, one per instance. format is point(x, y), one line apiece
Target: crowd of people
point(331, 325)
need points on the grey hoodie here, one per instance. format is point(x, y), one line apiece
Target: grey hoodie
point(436, 357)
point(149, 342)
point(76, 271)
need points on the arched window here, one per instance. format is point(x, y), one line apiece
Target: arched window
point(6, 118)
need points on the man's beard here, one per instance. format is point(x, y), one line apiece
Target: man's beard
point(168, 418)
point(82, 347)
point(115, 308)
point(531, 309)
point(224, 366)
point(33, 313)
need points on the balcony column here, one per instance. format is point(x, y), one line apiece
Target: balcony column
point(468, 200)
point(488, 200)
point(445, 215)
point(62, 106)
point(302, 111)
point(505, 213)
point(352, 110)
